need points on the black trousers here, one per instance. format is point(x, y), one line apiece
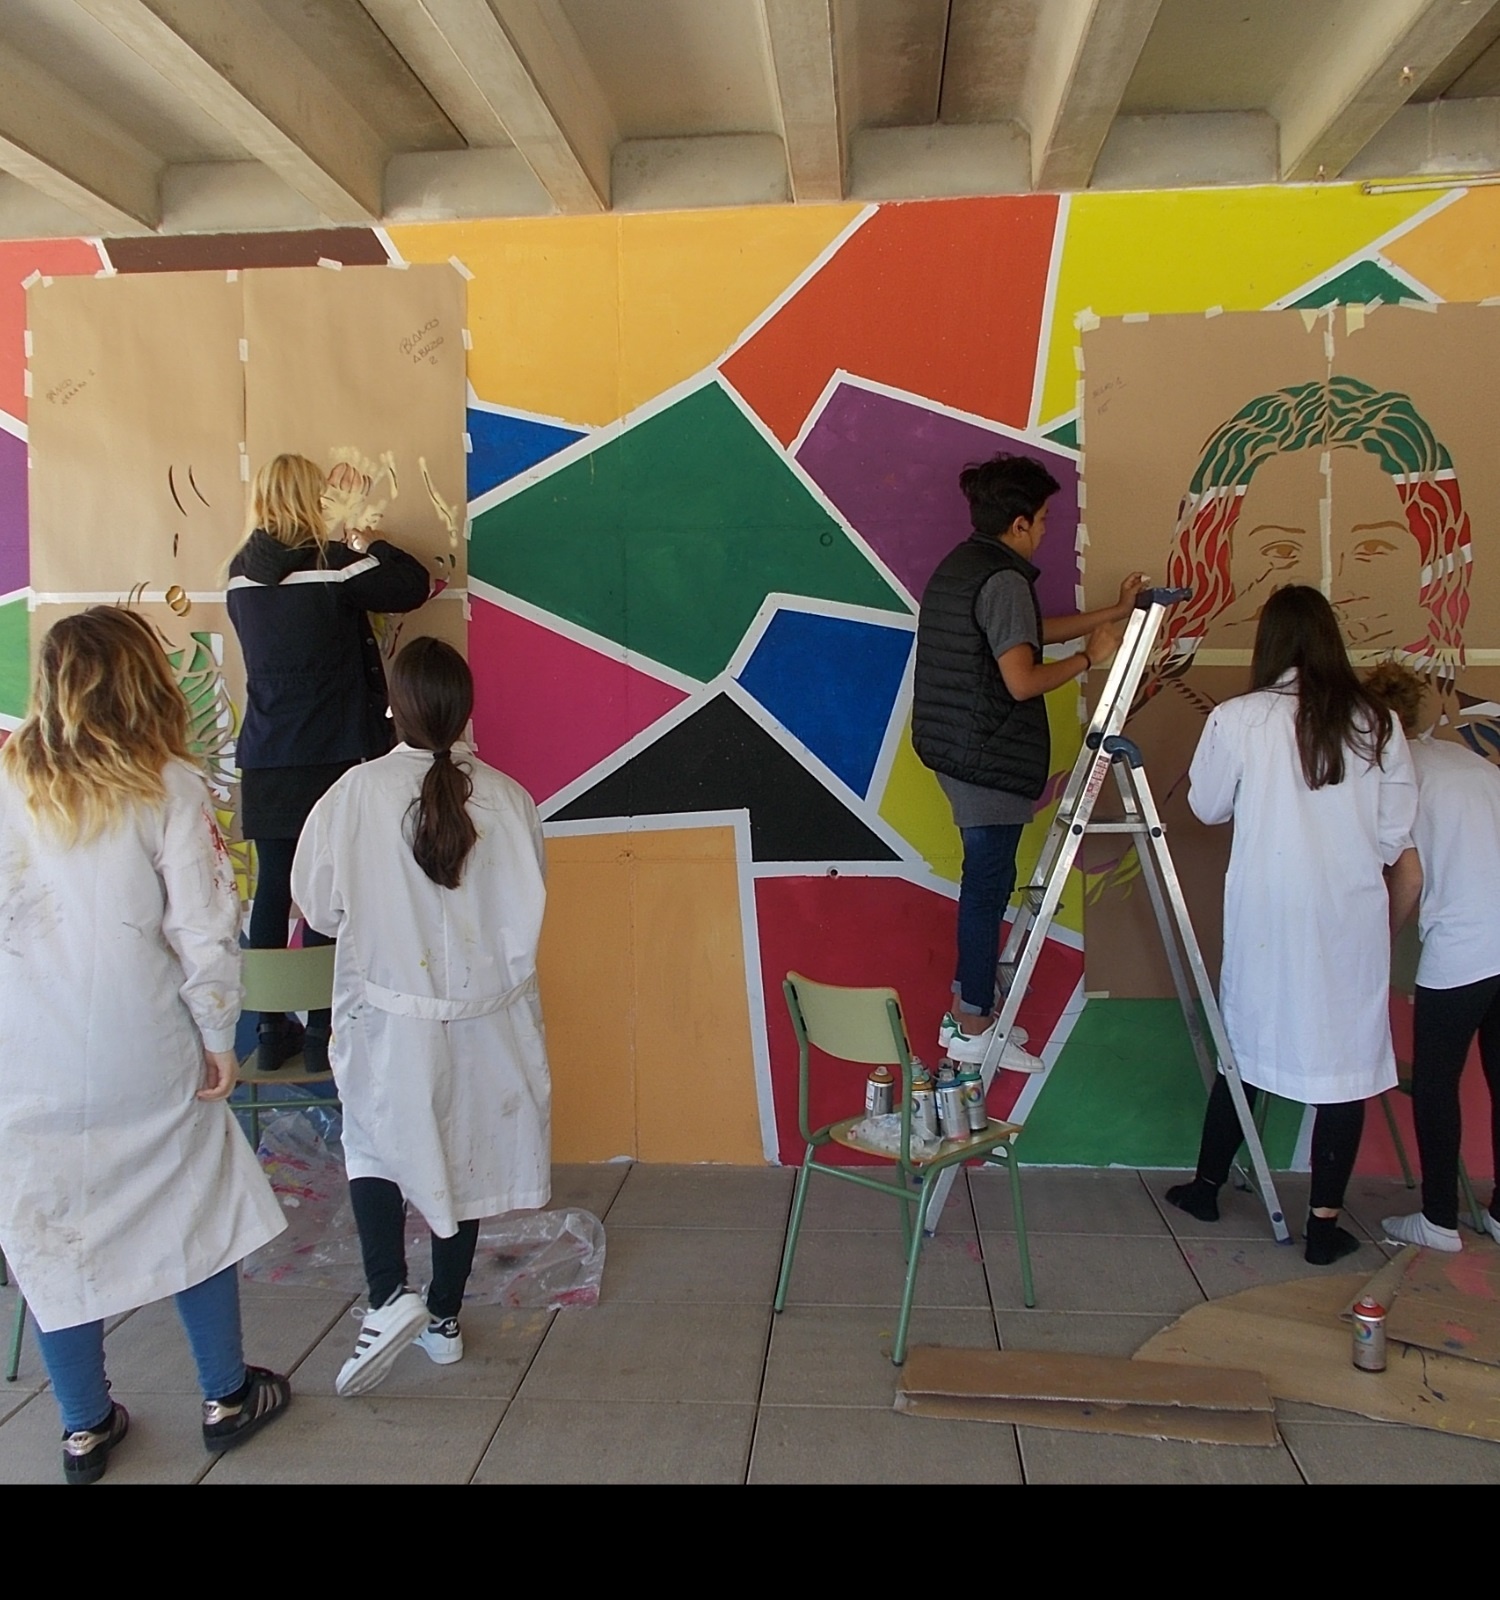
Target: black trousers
point(380, 1216)
point(271, 910)
point(1444, 1023)
point(1335, 1144)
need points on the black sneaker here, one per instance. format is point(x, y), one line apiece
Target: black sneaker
point(86, 1453)
point(227, 1423)
point(277, 1041)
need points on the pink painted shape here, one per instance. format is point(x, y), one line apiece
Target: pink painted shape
point(547, 708)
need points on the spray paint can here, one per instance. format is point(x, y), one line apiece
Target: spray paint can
point(952, 1123)
point(879, 1091)
point(924, 1123)
point(1369, 1335)
point(971, 1085)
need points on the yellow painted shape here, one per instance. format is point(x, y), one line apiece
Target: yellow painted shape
point(644, 994)
point(543, 309)
point(691, 282)
point(916, 807)
point(1456, 253)
point(586, 318)
point(1189, 250)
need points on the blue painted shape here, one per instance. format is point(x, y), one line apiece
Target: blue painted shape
point(832, 682)
point(504, 446)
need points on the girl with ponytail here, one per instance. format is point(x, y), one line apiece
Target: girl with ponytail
point(426, 865)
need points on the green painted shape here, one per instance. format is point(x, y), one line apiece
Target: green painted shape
point(667, 538)
point(1066, 435)
point(1359, 285)
point(15, 658)
point(1126, 1092)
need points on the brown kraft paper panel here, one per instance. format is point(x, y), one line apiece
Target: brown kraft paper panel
point(363, 372)
point(137, 414)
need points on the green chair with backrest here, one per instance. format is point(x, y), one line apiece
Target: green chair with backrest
point(865, 1026)
point(18, 1331)
point(286, 980)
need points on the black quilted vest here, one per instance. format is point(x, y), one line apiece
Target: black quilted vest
point(964, 721)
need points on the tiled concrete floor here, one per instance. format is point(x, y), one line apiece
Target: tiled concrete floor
point(682, 1374)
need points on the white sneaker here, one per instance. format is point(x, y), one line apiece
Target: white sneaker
point(441, 1341)
point(1416, 1229)
point(970, 1048)
point(386, 1333)
point(949, 1030)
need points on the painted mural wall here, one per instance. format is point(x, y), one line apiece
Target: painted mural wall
point(712, 459)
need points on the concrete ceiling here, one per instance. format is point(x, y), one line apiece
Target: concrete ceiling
point(139, 116)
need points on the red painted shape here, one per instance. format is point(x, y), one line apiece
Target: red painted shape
point(940, 297)
point(876, 932)
point(547, 708)
point(1377, 1154)
point(19, 258)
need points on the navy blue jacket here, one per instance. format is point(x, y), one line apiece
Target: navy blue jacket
point(315, 683)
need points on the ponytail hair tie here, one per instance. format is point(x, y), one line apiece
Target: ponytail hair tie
point(442, 755)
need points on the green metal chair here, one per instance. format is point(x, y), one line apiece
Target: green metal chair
point(866, 1026)
point(18, 1331)
point(286, 980)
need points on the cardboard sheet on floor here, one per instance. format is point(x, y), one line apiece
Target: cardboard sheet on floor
point(1293, 1334)
point(1089, 1394)
point(1449, 1303)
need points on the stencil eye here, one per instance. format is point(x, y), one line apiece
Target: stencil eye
point(1282, 553)
point(1372, 549)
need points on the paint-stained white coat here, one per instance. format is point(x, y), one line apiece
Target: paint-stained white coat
point(437, 1027)
point(119, 963)
point(1307, 950)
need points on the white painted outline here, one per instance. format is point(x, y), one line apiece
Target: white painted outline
point(800, 282)
point(755, 993)
point(13, 595)
point(810, 605)
point(474, 403)
point(17, 430)
point(8, 722)
point(393, 256)
point(1049, 311)
point(578, 634)
point(113, 597)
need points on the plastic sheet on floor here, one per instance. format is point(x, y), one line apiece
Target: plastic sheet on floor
point(538, 1260)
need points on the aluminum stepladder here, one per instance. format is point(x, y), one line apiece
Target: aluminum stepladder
point(1106, 749)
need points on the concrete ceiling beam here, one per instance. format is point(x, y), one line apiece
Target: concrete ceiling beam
point(60, 146)
point(232, 60)
point(512, 72)
point(803, 49)
point(1083, 54)
point(1375, 55)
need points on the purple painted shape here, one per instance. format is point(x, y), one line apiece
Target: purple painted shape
point(15, 564)
point(891, 467)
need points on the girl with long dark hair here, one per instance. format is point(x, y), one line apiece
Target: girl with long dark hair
point(427, 867)
point(1322, 796)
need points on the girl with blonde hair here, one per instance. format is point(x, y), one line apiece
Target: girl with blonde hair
point(123, 1177)
point(315, 689)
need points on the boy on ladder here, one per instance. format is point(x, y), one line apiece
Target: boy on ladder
point(979, 719)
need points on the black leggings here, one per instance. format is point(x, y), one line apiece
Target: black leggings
point(1335, 1143)
point(1444, 1023)
point(380, 1216)
point(271, 911)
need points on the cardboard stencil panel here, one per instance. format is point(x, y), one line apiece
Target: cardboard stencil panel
point(137, 413)
point(362, 371)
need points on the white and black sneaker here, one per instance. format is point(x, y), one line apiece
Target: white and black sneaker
point(441, 1341)
point(231, 1421)
point(387, 1331)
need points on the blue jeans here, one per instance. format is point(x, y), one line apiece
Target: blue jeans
point(989, 880)
point(210, 1313)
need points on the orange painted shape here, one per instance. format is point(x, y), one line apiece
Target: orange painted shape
point(645, 1000)
point(19, 258)
point(940, 297)
point(1457, 252)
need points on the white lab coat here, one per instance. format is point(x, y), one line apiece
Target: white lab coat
point(119, 964)
point(1306, 974)
point(437, 1027)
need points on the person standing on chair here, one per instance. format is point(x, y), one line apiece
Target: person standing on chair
point(427, 867)
point(1457, 838)
point(315, 691)
point(123, 1177)
point(1321, 791)
point(978, 717)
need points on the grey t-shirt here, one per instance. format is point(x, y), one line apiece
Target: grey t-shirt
point(1005, 612)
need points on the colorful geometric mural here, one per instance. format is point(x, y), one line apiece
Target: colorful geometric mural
point(712, 461)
